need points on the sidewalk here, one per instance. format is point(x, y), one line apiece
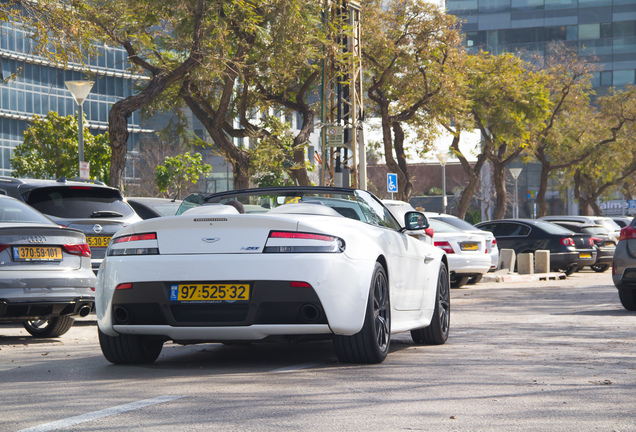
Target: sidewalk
point(507, 276)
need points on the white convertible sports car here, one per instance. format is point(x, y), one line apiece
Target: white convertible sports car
point(296, 263)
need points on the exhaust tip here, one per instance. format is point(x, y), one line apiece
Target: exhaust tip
point(121, 314)
point(310, 313)
point(84, 310)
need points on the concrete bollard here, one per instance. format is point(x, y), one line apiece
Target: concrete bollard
point(542, 261)
point(525, 263)
point(507, 259)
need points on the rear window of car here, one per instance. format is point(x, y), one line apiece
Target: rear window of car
point(77, 201)
point(13, 211)
point(456, 222)
point(552, 228)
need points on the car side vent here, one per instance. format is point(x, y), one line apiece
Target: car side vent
point(210, 219)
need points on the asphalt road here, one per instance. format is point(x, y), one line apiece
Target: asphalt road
point(538, 356)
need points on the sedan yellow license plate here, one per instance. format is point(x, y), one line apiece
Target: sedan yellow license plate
point(585, 255)
point(94, 241)
point(470, 246)
point(37, 253)
point(210, 292)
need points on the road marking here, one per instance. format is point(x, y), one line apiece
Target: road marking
point(71, 421)
point(296, 367)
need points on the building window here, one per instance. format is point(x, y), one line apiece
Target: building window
point(623, 77)
point(589, 31)
point(606, 78)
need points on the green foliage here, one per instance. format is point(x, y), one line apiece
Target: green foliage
point(50, 150)
point(473, 216)
point(178, 170)
point(435, 191)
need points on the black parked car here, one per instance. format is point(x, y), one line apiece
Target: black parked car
point(603, 241)
point(99, 211)
point(568, 250)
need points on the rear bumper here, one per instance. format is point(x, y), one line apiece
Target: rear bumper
point(565, 260)
point(17, 311)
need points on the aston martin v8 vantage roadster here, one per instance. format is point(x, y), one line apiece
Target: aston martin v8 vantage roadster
point(255, 265)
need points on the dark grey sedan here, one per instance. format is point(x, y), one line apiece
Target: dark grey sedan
point(624, 266)
point(45, 271)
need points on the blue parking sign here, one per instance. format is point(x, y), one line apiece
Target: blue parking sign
point(391, 182)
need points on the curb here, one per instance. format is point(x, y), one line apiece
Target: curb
point(515, 277)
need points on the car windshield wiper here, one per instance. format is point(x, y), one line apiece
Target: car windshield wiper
point(106, 213)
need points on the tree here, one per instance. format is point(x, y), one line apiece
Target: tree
point(179, 170)
point(557, 145)
point(506, 101)
point(268, 72)
point(612, 160)
point(50, 150)
point(413, 61)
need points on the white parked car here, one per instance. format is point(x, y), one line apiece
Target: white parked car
point(467, 254)
point(491, 241)
point(263, 264)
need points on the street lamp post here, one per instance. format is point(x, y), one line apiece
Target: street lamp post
point(515, 174)
point(443, 157)
point(80, 90)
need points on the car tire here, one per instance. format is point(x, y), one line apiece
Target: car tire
point(371, 343)
point(600, 268)
point(628, 298)
point(49, 328)
point(129, 349)
point(475, 279)
point(459, 281)
point(437, 332)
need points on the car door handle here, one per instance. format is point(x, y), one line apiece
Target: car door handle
point(428, 259)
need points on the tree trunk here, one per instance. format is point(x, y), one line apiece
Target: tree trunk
point(499, 176)
point(473, 173)
point(405, 191)
point(543, 182)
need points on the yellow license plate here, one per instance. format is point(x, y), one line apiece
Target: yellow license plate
point(94, 241)
point(210, 292)
point(470, 246)
point(37, 253)
point(585, 255)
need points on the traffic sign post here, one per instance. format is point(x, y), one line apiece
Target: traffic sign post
point(391, 183)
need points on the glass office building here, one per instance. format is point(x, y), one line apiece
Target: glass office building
point(605, 29)
point(31, 85)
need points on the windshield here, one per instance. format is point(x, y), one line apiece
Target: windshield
point(352, 204)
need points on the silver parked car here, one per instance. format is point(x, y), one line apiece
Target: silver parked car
point(45, 271)
point(99, 211)
point(624, 266)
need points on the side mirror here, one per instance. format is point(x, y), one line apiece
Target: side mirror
point(414, 221)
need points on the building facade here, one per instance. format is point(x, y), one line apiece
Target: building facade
point(32, 85)
point(604, 29)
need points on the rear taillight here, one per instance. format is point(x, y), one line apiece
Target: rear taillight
point(595, 240)
point(124, 286)
point(627, 233)
point(78, 249)
point(429, 232)
point(445, 246)
point(3, 247)
point(133, 250)
point(135, 237)
point(299, 242)
point(567, 241)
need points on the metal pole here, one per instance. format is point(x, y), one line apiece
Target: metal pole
point(80, 133)
point(516, 216)
point(444, 202)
